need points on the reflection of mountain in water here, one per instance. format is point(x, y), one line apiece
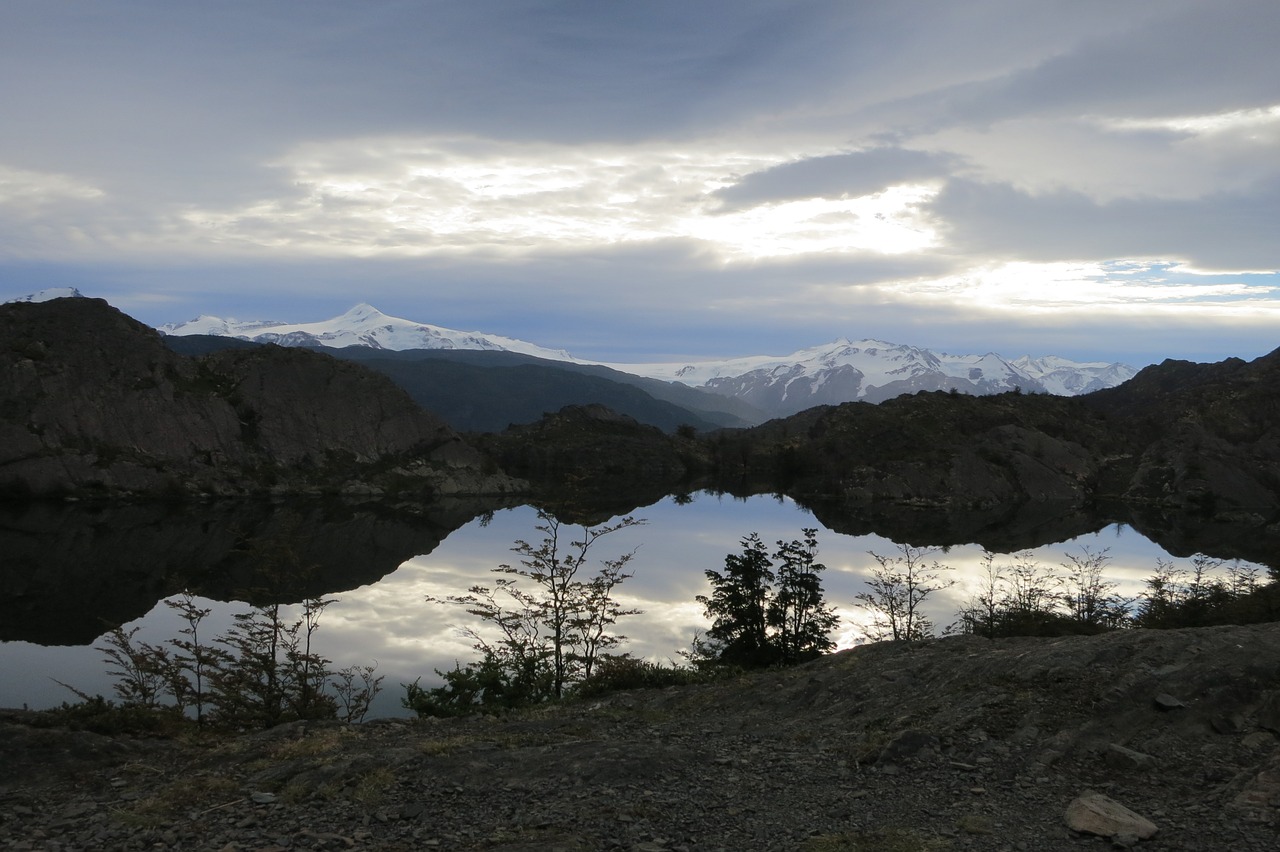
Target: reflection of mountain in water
point(71, 572)
point(1007, 529)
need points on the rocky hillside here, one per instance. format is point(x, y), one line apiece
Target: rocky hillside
point(1156, 740)
point(93, 400)
point(589, 458)
point(1202, 438)
point(1205, 435)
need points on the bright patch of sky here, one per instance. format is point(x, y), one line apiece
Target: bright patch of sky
point(407, 197)
point(1129, 286)
point(628, 181)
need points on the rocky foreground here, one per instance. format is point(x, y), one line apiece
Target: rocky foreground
point(956, 744)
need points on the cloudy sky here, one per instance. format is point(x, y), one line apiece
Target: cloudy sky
point(1098, 179)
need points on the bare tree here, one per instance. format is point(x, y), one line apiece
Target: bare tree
point(898, 587)
point(1089, 597)
point(980, 616)
point(562, 624)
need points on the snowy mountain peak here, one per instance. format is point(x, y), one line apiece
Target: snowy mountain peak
point(843, 370)
point(876, 370)
point(362, 313)
point(49, 295)
point(361, 325)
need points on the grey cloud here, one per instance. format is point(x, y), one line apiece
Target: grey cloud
point(1222, 231)
point(1202, 58)
point(848, 175)
point(170, 107)
point(186, 103)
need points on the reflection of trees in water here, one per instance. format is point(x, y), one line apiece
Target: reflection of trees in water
point(69, 572)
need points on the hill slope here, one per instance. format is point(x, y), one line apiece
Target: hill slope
point(92, 399)
point(953, 744)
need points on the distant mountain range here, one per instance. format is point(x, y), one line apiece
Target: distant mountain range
point(363, 325)
point(773, 386)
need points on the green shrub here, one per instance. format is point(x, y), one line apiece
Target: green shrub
point(102, 716)
point(615, 674)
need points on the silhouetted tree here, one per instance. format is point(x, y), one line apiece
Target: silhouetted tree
point(762, 617)
point(801, 619)
point(738, 606)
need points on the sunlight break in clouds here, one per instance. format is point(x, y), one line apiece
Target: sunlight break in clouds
point(1098, 287)
point(418, 197)
point(1252, 123)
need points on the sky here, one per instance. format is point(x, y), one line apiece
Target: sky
point(646, 181)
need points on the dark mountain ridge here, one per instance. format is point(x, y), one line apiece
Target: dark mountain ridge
point(487, 391)
point(92, 400)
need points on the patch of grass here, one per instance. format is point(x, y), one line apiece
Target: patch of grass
point(830, 843)
point(458, 742)
point(295, 793)
point(191, 793)
point(323, 742)
point(447, 745)
point(372, 787)
point(975, 824)
point(648, 715)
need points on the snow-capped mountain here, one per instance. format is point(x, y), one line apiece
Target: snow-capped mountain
point(363, 325)
point(843, 371)
point(49, 295)
point(873, 371)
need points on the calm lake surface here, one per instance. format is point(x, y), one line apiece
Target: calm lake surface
point(390, 622)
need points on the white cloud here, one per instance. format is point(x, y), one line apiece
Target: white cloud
point(1258, 124)
point(35, 189)
point(424, 196)
point(1096, 287)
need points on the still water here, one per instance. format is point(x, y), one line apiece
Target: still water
point(390, 622)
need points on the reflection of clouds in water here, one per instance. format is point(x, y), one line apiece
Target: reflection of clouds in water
point(391, 622)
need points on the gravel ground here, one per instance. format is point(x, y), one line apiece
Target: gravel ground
point(957, 744)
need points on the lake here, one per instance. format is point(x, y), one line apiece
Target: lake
point(381, 613)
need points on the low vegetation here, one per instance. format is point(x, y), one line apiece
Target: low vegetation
point(264, 670)
point(546, 624)
point(767, 609)
point(546, 630)
point(1021, 597)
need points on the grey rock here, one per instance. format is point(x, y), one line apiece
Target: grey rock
point(911, 744)
point(1094, 813)
point(1120, 757)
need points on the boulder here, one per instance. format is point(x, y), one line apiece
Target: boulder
point(1094, 813)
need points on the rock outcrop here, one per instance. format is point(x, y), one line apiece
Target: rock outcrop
point(91, 400)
